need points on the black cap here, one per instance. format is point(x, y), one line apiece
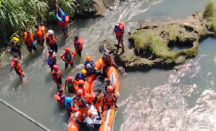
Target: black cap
point(36, 26)
point(60, 90)
point(76, 37)
point(50, 51)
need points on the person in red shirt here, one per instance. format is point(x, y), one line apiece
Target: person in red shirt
point(51, 41)
point(18, 69)
point(40, 30)
point(68, 57)
point(78, 45)
point(57, 76)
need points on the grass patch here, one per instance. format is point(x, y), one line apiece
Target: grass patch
point(172, 32)
point(209, 9)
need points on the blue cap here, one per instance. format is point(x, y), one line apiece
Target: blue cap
point(68, 99)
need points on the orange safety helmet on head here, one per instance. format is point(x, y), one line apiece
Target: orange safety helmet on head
point(88, 58)
point(79, 92)
point(109, 89)
point(67, 49)
point(55, 67)
point(81, 82)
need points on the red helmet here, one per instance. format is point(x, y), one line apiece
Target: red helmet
point(15, 59)
point(109, 89)
point(70, 78)
point(79, 92)
point(81, 82)
point(88, 58)
point(67, 49)
point(55, 67)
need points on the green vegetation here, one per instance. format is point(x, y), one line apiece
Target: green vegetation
point(18, 15)
point(210, 14)
point(172, 32)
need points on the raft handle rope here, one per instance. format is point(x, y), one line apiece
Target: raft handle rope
point(24, 115)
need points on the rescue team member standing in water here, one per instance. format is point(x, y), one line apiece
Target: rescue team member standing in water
point(57, 75)
point(51, 41)
point(119, 31)
point(90, 66)
point(63, 20)
point(82, 75)
point(109, 97)
point(98, 102)
point(29, 41)
point(60, 97)
point(68, 57)
point(78, 45)
point(15, 45)
point(69, 105)
point(40, 30)
point(70, 83)
point(51, 59)
point(18, 69)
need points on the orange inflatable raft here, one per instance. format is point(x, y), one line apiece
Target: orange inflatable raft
point(105, 124)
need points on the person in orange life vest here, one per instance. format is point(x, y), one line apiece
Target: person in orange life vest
point(107, 83)
point(90, 66)
point(40, 30)
point(60, 97)
point(81, 84)
point(29, 41)
point(68, 57)
point(78, 44)
point(57, 75)
point(82, 75)
point(51, 41)
point(51, 59)
point(18, 69)
point(107, 61)
point(98, 101)
point(70, 83)
point(78, 100)
point(63, 20)
point(109, 97)
point(119, 31)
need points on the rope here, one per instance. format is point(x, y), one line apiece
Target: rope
point(24, 115)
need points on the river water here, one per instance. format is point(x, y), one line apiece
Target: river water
point(156, 100)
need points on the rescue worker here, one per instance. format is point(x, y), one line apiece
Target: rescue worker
point(81, 84)
point(57, 75)
point(98, 102)
point(69, 105)
point(70, 83)
point(15, 45)
point(68, 57)
point(90, 66)
point(78, 100)
point(82, 75)
point(51, 59)
point(29, 41)
point(51, 41)
point(62, 20)
point(40, 34)
point(119, 31)
point(107, 83)
point(18, 69)
point(78, 44)
point(107, 61)
point(60, 97)
point(109, 97)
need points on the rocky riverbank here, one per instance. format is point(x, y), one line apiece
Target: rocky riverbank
point(152, 43)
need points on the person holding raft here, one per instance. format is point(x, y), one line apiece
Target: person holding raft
point(63, 20)
point(82, 75)
point(18, 69)
point(15, 45)
point(70, 83)
point(57, 76)
point(29, 41)
point(68, 57)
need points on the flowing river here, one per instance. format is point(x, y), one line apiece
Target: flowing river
point(155, 100)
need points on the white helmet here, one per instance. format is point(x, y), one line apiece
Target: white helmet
point(88, 66)
point(50, 32)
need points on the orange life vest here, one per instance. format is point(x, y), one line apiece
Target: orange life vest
point(29, 38)
point(109, 99)
point(40, 32)
point(79, 103)
point(65, 23)
point(57, 74)
point(52, 40)
point(18, 69)
point(78, 43)
point(100, 98)
point(107, 62)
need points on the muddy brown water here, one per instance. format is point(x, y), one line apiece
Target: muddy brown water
point(155, 100)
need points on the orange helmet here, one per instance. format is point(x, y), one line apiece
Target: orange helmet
point(79, 92)
point(88, 58)
point(67, 49)
point(81, 82)
point(109, 89)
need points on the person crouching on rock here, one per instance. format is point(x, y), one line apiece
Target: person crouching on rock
point(68, 57)
point(57, 76)
point(18, 69)
point(51, 59)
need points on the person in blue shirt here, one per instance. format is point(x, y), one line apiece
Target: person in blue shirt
point(82, 75)
point(63, 20)
point(68, 104)
point(51, 59)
